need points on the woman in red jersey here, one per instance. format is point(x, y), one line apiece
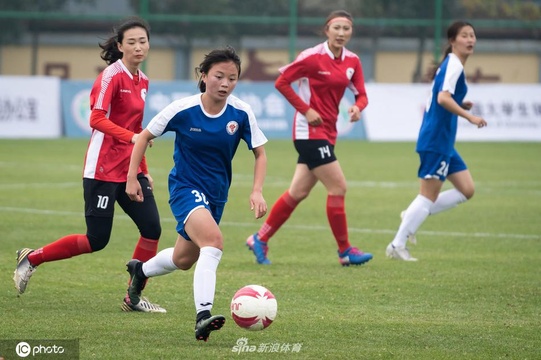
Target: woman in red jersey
point(117, 102)
point(323, 73)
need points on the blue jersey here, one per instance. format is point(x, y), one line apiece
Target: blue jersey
point(205, 144)
point(438, 130)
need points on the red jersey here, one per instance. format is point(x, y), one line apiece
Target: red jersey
point(121, 96)
point(322, 81)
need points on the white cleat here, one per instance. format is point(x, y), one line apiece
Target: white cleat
point(142, 306)
point(23, 271)
point(399, 253)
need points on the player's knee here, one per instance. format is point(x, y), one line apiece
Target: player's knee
point(468, 192)
point(183, 263)
point(98, 241)
point(151, 231)
point(215, 240)
point(300, 195)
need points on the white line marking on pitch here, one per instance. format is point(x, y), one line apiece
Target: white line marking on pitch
point(298, 227)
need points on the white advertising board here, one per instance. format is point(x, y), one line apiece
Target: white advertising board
point(513, 112)
point(30, 107)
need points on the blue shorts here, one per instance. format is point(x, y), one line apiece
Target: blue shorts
point(184, 201)
point(439, 166)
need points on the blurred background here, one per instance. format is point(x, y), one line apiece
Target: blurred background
point(398, 41)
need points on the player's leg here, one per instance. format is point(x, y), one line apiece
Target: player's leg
point(302, 183)
point(321, 160)
point(99, 199)
point(464, 187)
point(182, 256)
point(202, 228)
point(145, 215)
point(432, 173)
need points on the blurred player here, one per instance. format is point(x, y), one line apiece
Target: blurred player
point(436, 143)
point(323, 73)
point(208, 129)
point(117, 101)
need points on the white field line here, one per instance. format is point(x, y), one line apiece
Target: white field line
point(242, 180)
point(316, 228)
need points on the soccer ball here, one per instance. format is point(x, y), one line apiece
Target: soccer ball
point(253, 307)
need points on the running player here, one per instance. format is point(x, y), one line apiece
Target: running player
point(117, 101)
point(208, 129)
point(323, 74)
point(436, 142)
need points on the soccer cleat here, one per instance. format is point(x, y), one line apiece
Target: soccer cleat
point(23, 271)
point(143, 305)
point(353, 256)
point(411, 237)
point(137, 282)
point(133, 300)
point(399, 253)
point(259, 248)
point(204, 327)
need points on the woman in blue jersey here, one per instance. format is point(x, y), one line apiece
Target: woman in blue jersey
point(208, 129)
point(436, 142)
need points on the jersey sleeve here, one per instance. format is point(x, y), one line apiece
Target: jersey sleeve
point(257, 138)
point(100, 122)
point(284, 87)
point(452, 74)
point(358, 88)
point(157, 125)
point(289, 74)
point(101, 96)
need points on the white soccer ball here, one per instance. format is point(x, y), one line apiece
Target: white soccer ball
point(253, 307)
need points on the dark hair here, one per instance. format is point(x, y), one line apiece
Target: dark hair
point(452, 32)
point(110, 52)
point(336, 14)
point(215, 56)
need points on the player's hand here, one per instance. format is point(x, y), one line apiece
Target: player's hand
point(313, 117)
point(354, 113)
point(134, 191)
point(258, 204)
point(479, 121)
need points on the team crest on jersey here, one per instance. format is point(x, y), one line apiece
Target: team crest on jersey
point(349, 73)
point(143, 94)
point(232, 127)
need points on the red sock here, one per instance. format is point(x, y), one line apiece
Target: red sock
point(63, 248)
point(336, 213)
point(279, 213)
point(145, 249)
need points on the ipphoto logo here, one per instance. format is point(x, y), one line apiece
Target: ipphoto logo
point(39, 349)
point(23, 349)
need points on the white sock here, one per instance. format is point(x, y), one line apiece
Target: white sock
point(161, 264)
point(414, 216)
point(204, 278)
point(447, 200)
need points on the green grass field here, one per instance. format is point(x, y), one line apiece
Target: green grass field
point(475, 292)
